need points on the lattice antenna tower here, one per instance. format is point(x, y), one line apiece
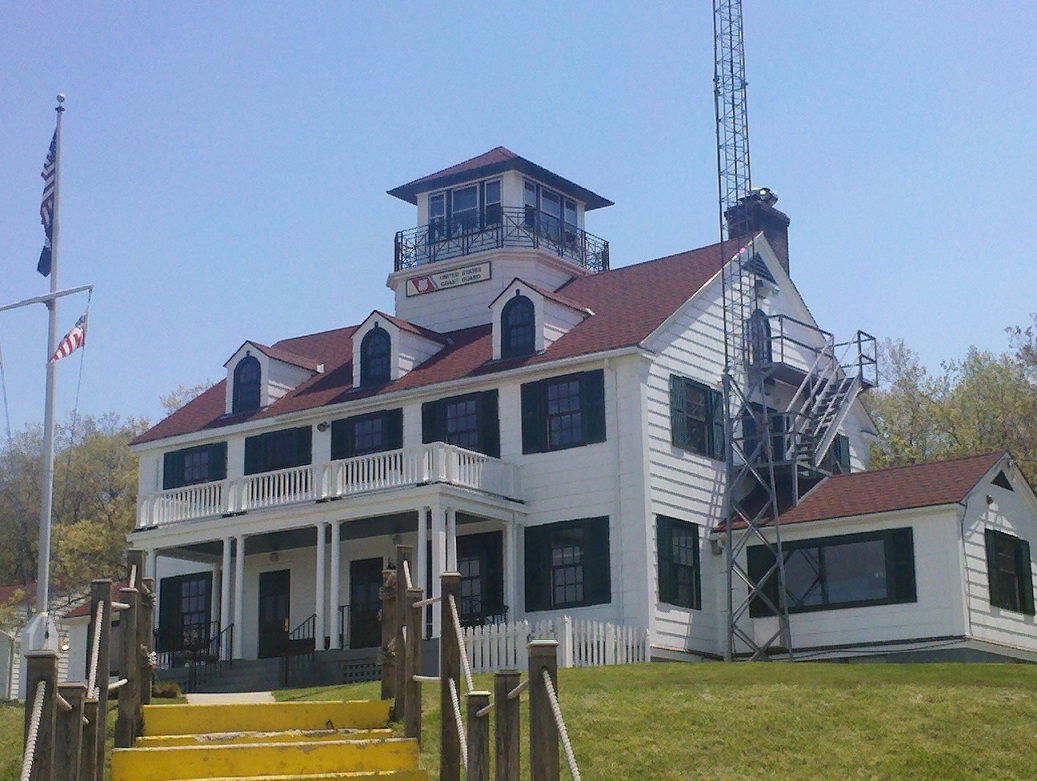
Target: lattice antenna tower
point(751, 506)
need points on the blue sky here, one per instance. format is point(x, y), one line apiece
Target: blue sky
point(225, 164)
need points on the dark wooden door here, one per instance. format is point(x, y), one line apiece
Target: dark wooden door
point(365, 579)
point(274, 604)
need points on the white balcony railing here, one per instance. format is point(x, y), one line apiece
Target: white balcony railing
point(395, 469)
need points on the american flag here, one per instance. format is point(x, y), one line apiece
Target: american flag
point(73, 340)
point(49, 174)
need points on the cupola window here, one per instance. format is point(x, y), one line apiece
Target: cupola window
point(375, 355)
point(517, 327)
point(247, 375)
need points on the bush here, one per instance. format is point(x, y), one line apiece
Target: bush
point(166, 689)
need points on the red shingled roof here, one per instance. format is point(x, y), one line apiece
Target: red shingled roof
point(629, 303)
point(896, 488)
point(498, 154)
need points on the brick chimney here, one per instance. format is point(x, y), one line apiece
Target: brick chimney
point(756, 212)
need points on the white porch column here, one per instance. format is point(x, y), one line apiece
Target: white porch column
point(239, 598)
point(438, 561)
point(336, 585)
point(511, 569)
point(321, 587)
point(421, 560)
point(451, 539)
point(151, 568)
point(225, 578)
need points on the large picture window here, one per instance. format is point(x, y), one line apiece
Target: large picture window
point(853, 570)
point(1008, 567)
point(678, 554)
point(470, 421)
point(696, 417)
point(193, 465)
point(563, 412)
point(567, 564)
point(364, 434)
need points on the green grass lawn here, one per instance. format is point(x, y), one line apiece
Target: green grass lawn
point(820, 722)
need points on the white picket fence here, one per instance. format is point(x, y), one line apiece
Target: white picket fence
point(580, 643)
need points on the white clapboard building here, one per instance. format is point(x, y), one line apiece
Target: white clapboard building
point(553, 429)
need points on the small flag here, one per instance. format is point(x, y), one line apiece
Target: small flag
point(49, 174)
point(73, 340)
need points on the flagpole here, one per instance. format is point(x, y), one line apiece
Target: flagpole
point(47, 499)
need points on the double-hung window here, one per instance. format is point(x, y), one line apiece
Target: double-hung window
point(828, 573)
point(464, 210)
point(678, 554)
point(470, 421)
point(567, 564)
point(193, 465)
point(696, 417)
point(1008, 568)
point(563, 412)
point(362, 435)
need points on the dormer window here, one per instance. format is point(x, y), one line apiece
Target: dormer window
point(247, 375)
point(518, 333)
point(375, 358)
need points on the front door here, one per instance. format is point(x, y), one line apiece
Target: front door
point(480, 562)
point(274, 603)
point(365, 579)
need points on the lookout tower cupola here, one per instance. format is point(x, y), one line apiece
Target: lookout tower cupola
point(483, 223)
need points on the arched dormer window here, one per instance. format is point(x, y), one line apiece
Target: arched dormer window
point(246, 385)
point(759, 338)
point(375, 358)
point(518, 334)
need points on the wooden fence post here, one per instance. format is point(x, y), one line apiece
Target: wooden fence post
point(129, 668)
point(88, 756)
point(101, 592)
point(403, 553)
point(508, 727)
point(544, 764)
point(449, 668)
point(478, 737)
point(42, 666)
point(411, 664)
point(388, 656)
point(68, 732)
point(146, 638)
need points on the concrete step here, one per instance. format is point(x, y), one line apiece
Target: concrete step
point(264, 717)
point(227, 738)
point(293, 760)
point(375, 775)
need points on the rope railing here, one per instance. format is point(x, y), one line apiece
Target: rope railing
point(517, 691)
point(465, 666)
point(133, 576)
point(95, 650)
point(458, 722)
point(34, 730)
point(427, 602)
point(406, 574)
point(560, 723)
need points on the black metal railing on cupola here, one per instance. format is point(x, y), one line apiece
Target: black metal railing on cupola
point(495, 228)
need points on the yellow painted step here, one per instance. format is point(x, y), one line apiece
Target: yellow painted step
point(374, 775)
point(264, 717)
point(288, 736)
point(265, 759)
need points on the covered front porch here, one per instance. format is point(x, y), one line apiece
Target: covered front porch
point(279, 581)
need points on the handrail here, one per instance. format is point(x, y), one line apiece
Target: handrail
point(457, 720)
point(560, 724)
point(95, 650)
point(406, 574)
point(34, 729)
point(463, 651)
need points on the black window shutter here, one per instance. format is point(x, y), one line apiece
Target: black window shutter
point(303, 446)
point(537, 540)
point(678, 420)
point(218, 461)
point(716, 422)
point(842, 453)
point(342, 440)
point(493, 579)
point(664, 543)
point(433, 426)
point(990, 538)
point(596, 566)
point(489, 423)
point(255, 455)
point(533, 424)
point(393, 429)
point(173, 470)
point(901, 555)
point(169, 595)
point(592, 405)
point(759, 559)
point(1022, 552)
